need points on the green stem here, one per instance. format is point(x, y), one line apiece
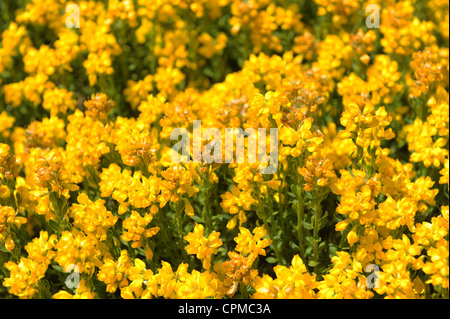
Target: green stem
point(165, 237)
point(131, 250)
point(343, 237)
point(60, 204)
point(300, 207)
point(11, 185)
point(263, 215)
point(206, 194)
point(445, 293)
point(282, 209)
point(208, 221)
point(179, 222)
point(427, 292)
point(316, 240)
point(300, 218)
point(278, 253)
point(269, 231)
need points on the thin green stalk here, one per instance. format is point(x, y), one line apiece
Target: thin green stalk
point(445, 293)
point(263, 215)
point(60, 204)
point(344, 237)
point(269, 231)
point(206, 194)
point(207, 211)
point(179, 222)
point(300, 218)
point(11, 186)
point(316, 238)
point(165, 237)
point(300, 209)
point(281, 210)
point(279, 253)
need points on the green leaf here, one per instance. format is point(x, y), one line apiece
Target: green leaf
point(208, 72)
point(292, 195)
point(173, 245)
point(124, 242)
point(198, 219)
point(271, 260)
point(189, 227)
point(332, 249)
point(294, 189)
point(259, 214)
point(307, 225)
point(308, 239)
point(323, 220)
point(312, 263)
point(19, 198)
point(278, 243)
point(54, 225)
point(58, 268)
point(350, 169)
point(141, 251)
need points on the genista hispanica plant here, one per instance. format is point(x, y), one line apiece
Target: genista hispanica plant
point(89, 98)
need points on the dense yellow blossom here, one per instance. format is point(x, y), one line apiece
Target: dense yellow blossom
point(203, 247)
point(94, 204)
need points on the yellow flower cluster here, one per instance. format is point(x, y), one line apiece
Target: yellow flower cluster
point(356, 208)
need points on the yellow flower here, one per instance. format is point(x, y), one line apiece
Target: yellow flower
point(252, 244)
point(6, 123)
point(87, 179)
point(85, 145)
point(176, 182)
point(8, 219)
point(42, 248)
point(291, 283)
point(427, 233)
point(82, 292)
point(50, 133)
point(136, 229)
point(394, 281)
point(394, 214)
point(166, 279)
point(51, 173)
point(113, 273)
point(237, 269)
point(99, 106)
point(425, 148)
point(75, 248)
point(9, 167)
point(24, 277)
point(444, 179)
point(138, 275)
point(92, 217)
point(345, 280)
point(352, 238)
point(438, 265)
point(317, 173)
point(203, 247)
point(196, 285)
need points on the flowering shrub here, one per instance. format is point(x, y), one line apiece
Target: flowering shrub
point(358, 205)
